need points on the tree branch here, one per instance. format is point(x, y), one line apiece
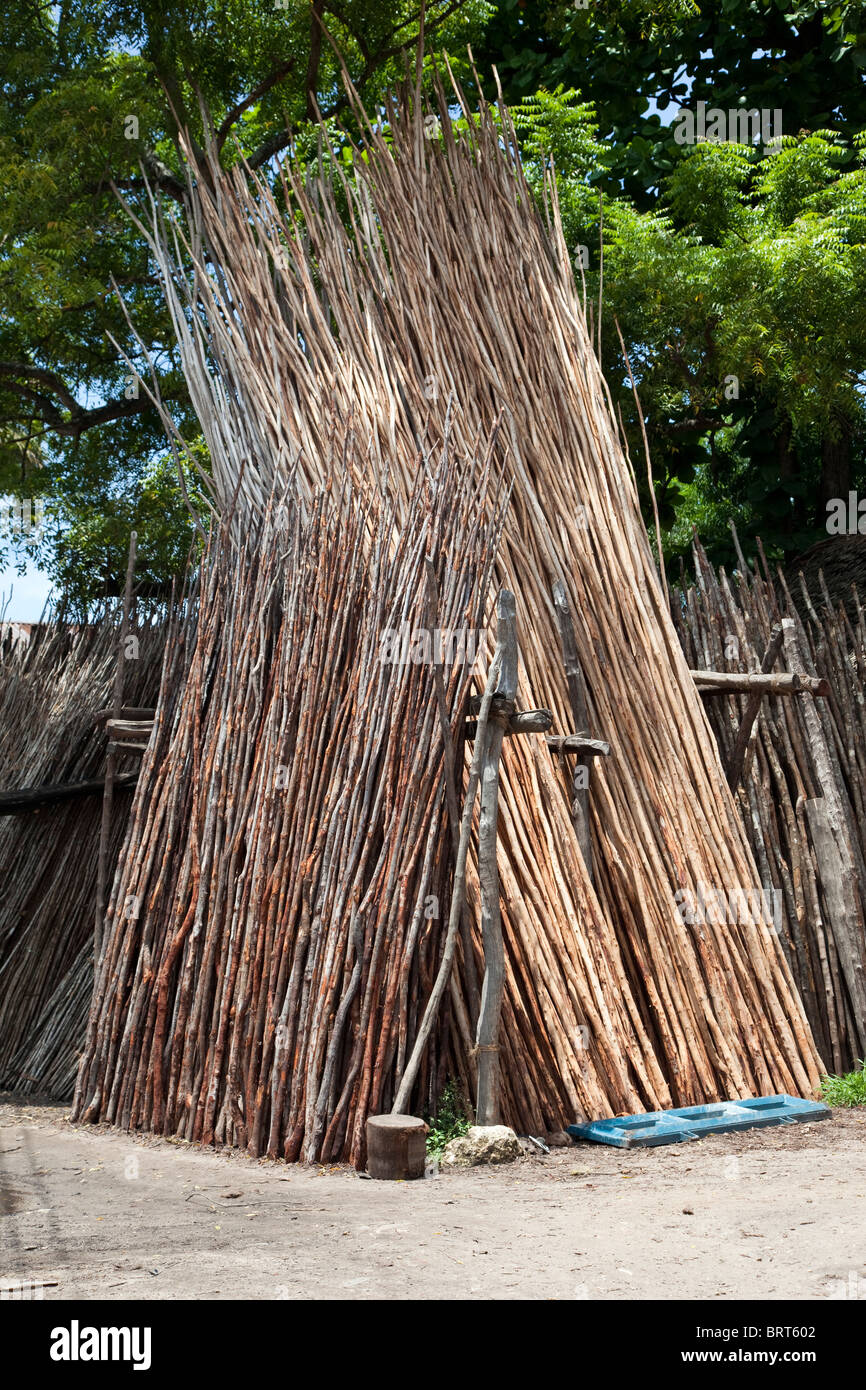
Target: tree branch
point(48, 412)
point(237, 111)
point(79, 418)
point(372, 60)
point(162, 176)
point(695, 424)
point(43, 374)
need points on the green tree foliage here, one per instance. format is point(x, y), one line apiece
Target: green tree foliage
point(95, 93)
point(735, 276)
point(720, 263)
point(635, 60)
point(738, 298)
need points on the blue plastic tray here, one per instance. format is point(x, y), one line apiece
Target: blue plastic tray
point(696, 1121)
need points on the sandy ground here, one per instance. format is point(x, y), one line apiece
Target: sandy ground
point(772, 1214)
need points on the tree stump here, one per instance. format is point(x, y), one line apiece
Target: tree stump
point(396, 1146)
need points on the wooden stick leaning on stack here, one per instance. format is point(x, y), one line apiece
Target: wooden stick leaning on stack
point(443, 283)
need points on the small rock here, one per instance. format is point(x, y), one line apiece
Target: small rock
point(558, 1139)
point(482, 1144)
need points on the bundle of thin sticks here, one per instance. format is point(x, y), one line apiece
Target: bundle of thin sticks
point(432, 284)
point(277, 925)
point(46, 1062)
point(799, 777)
point(51, 689)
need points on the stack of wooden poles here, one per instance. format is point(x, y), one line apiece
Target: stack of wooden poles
point(278, 922)
point(51, 689)
point(799, 776)
point(429, 295)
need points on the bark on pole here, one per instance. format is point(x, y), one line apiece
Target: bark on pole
point(487, 1036)
point(745, 683)
point(835, 845)
point(580, 715)
point(458, 895)
point(111, 763)
point(753, 705)
point(474, 997)
point(25, 799)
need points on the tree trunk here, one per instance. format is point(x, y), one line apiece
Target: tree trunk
point(835, 465)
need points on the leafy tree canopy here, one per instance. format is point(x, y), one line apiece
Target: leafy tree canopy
point(734, 276)
point(737, 296)
point(637, 61)
point(95, 93)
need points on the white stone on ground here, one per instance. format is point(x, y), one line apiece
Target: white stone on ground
point(482, 1144)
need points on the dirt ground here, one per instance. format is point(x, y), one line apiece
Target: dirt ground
point(772, 1214)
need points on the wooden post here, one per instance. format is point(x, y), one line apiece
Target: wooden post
point(580, 715)
point(26, 799)
point(474, 998)
point(496, 719)
point(487, 1035)
point(750, 713)
point(458, 894)
point(111, 763)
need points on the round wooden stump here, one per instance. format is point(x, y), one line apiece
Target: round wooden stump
point(396, 1146)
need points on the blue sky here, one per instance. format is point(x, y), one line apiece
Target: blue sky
point(22, 597)
point(28, 594)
